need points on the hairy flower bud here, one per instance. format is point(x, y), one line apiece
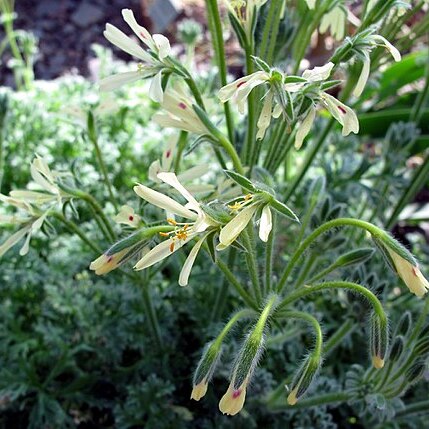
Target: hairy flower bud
point(396, 349)
point(205, 369)
point(379, 340)
point(303, 378)
point(404, 324)
point(415, 372)
point(233, 400)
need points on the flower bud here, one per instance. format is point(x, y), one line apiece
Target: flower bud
point(404, 324)
point(403, 263)
point(205, 369)
point(379, 340)
point(233, 400)
point(396, 349)
point(422, 347)
point(415, 372)
point(354, 257)
point(303, 378)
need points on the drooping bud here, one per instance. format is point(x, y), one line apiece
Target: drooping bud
point(379, 339)
point(304, 377)
point(404, 324)
point(415, 372)
point(354, 257)
point(205, 369)
point(403, 263)
point(397, 348)
point(233, 400)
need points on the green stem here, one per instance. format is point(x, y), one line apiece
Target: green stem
point(248, 147)
point(419, 180)
point(306, 268)
point(181, 143)
point(345, 329)
point(236, 284)
point(222, 293)
point(234, 319)
point(328, 399)
point(103, 167)
point(195, 91)
point(374, 301)
point(232, 153)
point(152, 316)
point(309, 159)
point(252, 265)
point(217, 36)
point(312, 321)
point(319, 231)
point(416, 408)
point(72, 227)
point(269, 255)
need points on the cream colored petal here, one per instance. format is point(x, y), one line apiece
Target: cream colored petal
point(14, 239)
point(342, 113)
point(42, 175)
point(122, 41)
point(161, 251)
point(163, 202)
point(127, 216)
point(199, 390)
point(304, 128)
point(139, 31)
point(363, 77)
point(115, 81)
point(163, 45)
point(154, 170)
point(265, 116)
point(236, 225)
point(171, 179)
point(155, 91)
point(318, 73)
point(233, 400)
point(266, 224)
point(384, 42)
point(189, 263)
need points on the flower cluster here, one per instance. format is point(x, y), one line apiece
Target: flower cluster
point(34, 205)
point(153, 63)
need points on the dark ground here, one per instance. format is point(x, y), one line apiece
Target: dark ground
point(66, 29)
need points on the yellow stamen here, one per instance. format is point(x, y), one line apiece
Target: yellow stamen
point(171, 221)
point(164, 234)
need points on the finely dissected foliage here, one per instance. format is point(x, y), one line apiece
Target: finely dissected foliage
point(278, 197)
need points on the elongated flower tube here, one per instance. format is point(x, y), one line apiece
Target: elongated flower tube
point(152, 65)
point(233, 400)
point(403, 264)
point(303, 378)
point(183, 232)
point(179, 113)
point(373, 42)
point(127, 216)
point(239, 90)
point(334, 21)
point(342, 113)
point(379, 340)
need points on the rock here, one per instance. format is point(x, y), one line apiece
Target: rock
point(87, 14)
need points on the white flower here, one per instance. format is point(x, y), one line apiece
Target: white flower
point(246, 209)
point(334, 21)
point(311, 3)
point(239, 91)
point(375, 40)
point(166, 161)
point(151, 66)
point(36, 205)
point(342, 113)
point(243, 11)
point(180, 113)
point(127, 216)
point(183, 232)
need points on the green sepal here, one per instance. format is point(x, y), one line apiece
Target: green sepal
point(238, 29)
point(415, 372)
point(353, 257)
point(396, 348)
point(217, 212)
point(284, 210)
point(129, 241)
point(379, 336)
point(294, 79)
point(242, 181)
point(210, 240)
point(330, 84)
point(207, 364)
point(306, 374)
point(90, 123)
point(261, 64)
